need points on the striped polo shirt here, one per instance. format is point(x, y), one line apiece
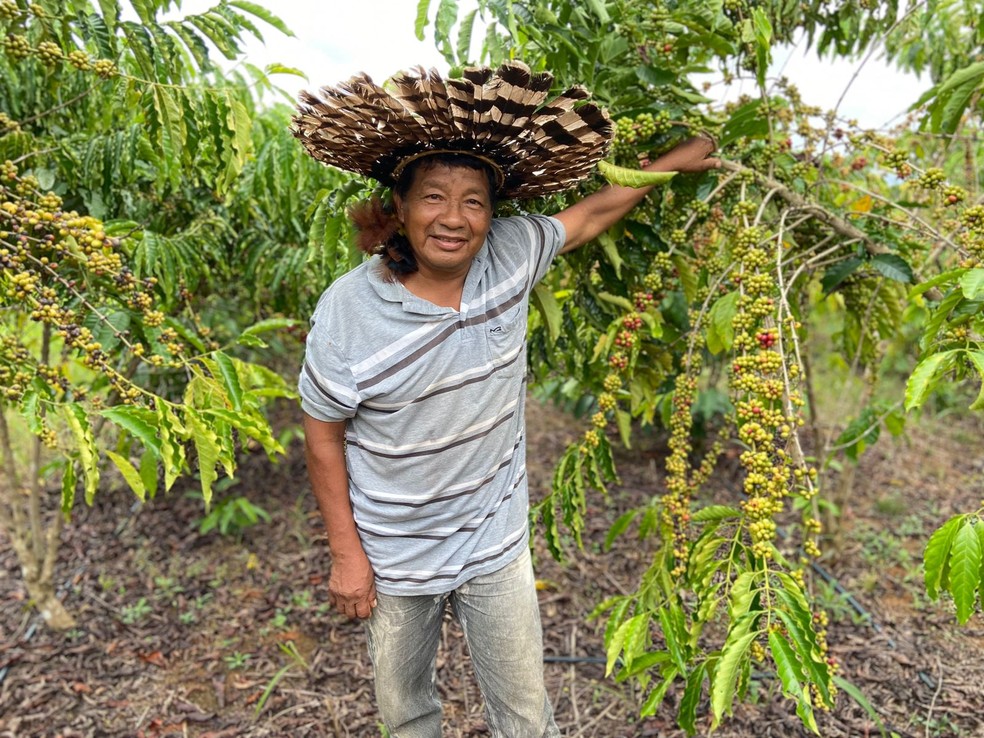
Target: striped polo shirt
point(435, 399)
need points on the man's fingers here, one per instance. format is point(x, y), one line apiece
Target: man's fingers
point(709, 138)
point(354, 609)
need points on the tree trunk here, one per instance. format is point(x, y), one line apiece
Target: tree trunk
point(22, 519)
point(38, 574)
point(42, 593)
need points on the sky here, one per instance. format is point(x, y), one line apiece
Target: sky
point(336, 38)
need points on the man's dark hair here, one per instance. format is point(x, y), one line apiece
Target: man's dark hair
point(397, 253)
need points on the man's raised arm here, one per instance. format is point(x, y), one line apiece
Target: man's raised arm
point(596, 213)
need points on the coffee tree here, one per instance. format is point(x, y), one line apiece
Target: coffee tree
point(129, 172)
point(698, 311)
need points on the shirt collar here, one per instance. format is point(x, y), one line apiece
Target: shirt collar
point(392, 290)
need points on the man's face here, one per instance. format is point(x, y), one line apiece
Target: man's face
point(446, 214)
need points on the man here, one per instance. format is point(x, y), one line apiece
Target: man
point(413, 385)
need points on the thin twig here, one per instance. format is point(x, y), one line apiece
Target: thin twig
point(34, 500)
point(939, 688)
point(59, 106)
point(874, 424)
point(594, 720)
point(29, 154)
point(573, 675)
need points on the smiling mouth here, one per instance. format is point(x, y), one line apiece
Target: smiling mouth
point(450, 242)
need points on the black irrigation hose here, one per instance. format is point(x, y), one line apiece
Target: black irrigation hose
point(848, 597)
point(576, 660)
point(869, 619)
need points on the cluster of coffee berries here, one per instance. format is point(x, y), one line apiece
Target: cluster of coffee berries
point(643, 300)
point(899, 161)
point(744, 209)
point(821, 621)
point(8, 10)
point(650, 124)
point(49, 53)
point(105, 68)
point(618, 361)
point(591, 440)
point(676, 501)
point(653, 281)
point(662, 264)
point(747, 246)
point(756, 649)
point(625, 136)
point(607, 401)
point(971, 234)
point(972, 218)
point(758, 284)
point(79, 59)
point(767, 406)
point(612, 383)
point(953, 195)
point(802, 170)
point(931, 179)
point(699, 208)
point(677, 237)
point(683, 477)
point(630, 132)
point(626, 339)
point(17, 47)
point(8, 124)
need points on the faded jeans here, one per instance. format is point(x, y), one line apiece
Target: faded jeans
point(500, 617)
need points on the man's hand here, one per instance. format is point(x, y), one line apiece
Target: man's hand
point(352, 586)
point(688, 157)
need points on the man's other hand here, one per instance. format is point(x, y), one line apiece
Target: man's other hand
point(352, 586)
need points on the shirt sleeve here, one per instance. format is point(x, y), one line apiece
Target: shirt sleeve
point(326, 385)
point(529, 242)
point(548, 240)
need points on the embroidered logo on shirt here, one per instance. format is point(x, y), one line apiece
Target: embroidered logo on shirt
point(497, 329)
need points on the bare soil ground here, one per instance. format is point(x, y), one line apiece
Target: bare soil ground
point(182, 634)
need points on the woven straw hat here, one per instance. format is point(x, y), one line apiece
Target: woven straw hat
point(536, 148)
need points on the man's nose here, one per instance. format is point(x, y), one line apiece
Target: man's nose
point(453, 214)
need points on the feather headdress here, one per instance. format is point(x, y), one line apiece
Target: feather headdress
point(535, 147)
